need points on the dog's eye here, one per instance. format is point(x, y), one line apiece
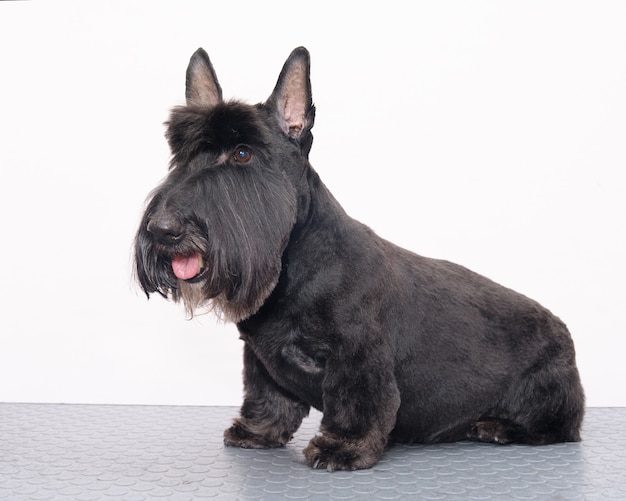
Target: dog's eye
point(241, 154)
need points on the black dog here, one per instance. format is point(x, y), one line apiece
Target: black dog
point(389, 345)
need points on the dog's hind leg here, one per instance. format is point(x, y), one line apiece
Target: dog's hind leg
point(552, 428)
point(548, 408)
point(269, 415)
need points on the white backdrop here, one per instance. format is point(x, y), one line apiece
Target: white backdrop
point(489, 133)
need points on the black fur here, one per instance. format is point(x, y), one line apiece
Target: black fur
point(389, 345)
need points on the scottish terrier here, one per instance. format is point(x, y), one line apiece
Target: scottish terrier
point(389, 345)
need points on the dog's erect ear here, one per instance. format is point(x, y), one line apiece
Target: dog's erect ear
point(203, 89)
point(292, 97)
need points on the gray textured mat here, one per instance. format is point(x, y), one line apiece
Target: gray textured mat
point(133, 453)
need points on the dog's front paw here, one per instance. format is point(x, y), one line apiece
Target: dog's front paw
point(342, 454)
point(240, 436)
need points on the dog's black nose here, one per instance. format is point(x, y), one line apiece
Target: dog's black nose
point(168, 230)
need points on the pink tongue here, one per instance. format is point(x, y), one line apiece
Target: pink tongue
point(186, 267)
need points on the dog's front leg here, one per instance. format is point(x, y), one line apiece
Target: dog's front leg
point(361, 400)
point(269, 416)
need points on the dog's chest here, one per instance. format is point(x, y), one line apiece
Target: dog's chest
point(293, 362)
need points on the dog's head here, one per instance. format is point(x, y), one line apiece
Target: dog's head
point(215, 229)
